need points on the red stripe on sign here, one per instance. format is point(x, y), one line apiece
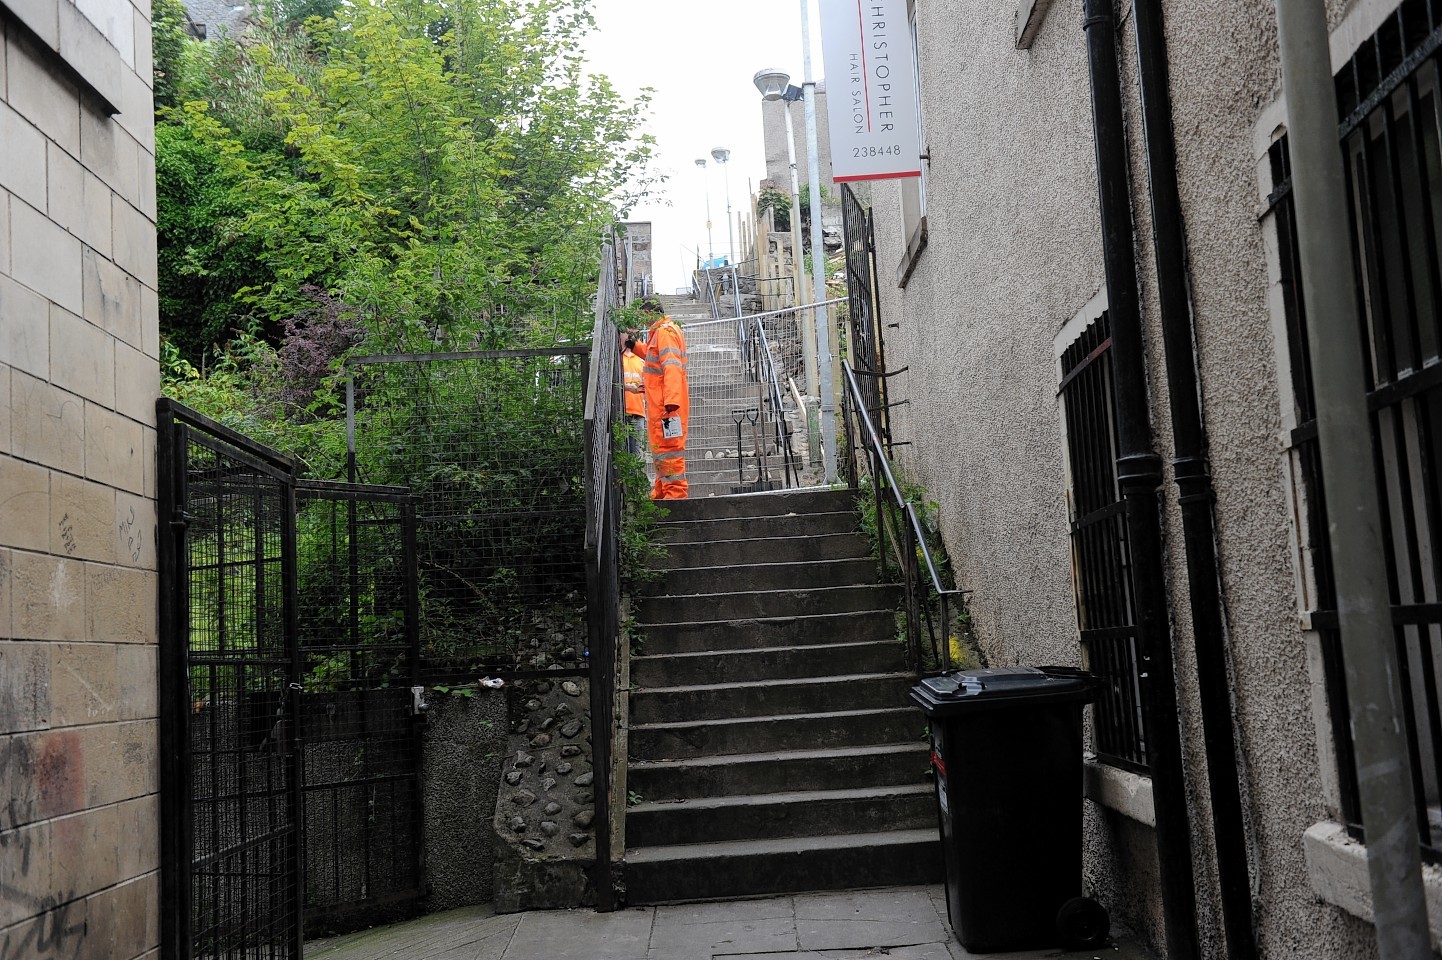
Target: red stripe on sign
point(865, 73)
point(879, 176)
point(938, 764)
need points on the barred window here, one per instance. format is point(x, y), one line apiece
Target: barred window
point(1101, 559)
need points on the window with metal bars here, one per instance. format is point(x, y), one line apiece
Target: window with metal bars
point(1389, 100)
point(1101, 561)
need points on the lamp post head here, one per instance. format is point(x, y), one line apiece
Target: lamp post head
point(772, 83)
point(721, 154)
point(701, 162)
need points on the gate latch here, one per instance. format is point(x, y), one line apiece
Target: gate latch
point(418, 701)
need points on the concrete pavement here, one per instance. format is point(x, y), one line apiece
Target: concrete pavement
point(901, 923)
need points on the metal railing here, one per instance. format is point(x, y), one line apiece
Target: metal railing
point(762, 368)
point(602, 557)
point(899, 531)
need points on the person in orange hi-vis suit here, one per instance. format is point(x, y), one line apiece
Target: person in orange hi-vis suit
point(668, 400)
point(635, 392)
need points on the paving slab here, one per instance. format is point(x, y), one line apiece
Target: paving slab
point(899, 923)
point(894, 917)
point(582, 935)
point(469, 933)
point(927, 951)
point(702, 931)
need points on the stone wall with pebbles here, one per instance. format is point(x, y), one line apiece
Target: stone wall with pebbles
point(545, 809)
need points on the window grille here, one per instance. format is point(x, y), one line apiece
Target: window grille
point(1101, 560)
point(1388, 97)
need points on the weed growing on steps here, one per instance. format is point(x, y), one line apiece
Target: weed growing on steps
point(963, 649)
point(639, 547)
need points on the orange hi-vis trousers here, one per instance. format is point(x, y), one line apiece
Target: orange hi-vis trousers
point(664, 376)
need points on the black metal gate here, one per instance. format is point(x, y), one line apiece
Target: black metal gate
point(240, 781)
point(868, 358)
point(360, 719)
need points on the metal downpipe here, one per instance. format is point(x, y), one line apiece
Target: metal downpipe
point(1343, 428)
point(1192, 472)
point(1139, 475)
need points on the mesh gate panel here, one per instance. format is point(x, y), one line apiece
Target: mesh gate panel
point(243, 866)
point(357, 632)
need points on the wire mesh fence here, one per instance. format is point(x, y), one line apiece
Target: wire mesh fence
point(491, 446)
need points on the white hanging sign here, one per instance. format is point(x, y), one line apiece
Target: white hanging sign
point(870, 89)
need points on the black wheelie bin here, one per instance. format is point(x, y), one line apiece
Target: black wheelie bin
point(1006, 751)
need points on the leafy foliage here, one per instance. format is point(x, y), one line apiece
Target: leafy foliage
point(779, 204)
point(444, 166)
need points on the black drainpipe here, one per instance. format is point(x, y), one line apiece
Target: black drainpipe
point(1139, 473)
point(1194, 481)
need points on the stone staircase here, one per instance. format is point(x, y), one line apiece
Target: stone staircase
point(771, 739)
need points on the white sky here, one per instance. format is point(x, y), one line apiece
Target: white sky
point(700, 59)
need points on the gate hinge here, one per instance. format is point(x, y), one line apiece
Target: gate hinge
point(181, 519)
point(418, 701)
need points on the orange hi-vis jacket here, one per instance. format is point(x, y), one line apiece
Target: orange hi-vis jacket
point(664, 375)
point(631, 376)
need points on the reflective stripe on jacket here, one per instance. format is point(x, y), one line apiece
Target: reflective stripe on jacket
point(664, 374)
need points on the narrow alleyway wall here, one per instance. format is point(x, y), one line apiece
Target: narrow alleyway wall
point(79, 374)
point(1011, 273)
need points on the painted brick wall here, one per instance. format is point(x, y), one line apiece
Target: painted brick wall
point(79, 342)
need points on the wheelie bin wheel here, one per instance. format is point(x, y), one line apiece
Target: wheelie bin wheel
point(1082, 922)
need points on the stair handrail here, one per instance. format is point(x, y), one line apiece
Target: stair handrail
point(908, 538)
point(767, 375)
point(602, 558)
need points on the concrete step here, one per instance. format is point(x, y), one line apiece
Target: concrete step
point(767, 631)
point(755, 604)
point(797, 549)
point(767, 663)
point(760, 698)
point(807, 731)
point(747, 868)
point(791, 525)
point(736, 775)
point(733, 578)
point(809, 813)
point(819, 500)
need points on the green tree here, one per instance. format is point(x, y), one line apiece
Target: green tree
point(444, 166)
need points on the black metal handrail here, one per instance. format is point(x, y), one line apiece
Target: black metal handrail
point(762, 363)
point(603, 585)
point(907, 538)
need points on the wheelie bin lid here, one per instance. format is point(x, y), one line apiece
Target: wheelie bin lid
point(996, 687)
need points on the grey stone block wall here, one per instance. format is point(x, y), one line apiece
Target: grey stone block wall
point(79, 342)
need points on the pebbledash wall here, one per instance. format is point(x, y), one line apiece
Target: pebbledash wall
point(79, 374)
point(1011, 272)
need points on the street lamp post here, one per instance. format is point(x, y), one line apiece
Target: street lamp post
point(818, 257)
point(776, 85)
point(710, 247)
point(721, 155)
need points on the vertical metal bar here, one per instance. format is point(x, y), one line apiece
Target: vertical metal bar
point(410, 551)
point(295, 739)
point(818, 260)
point(1385, 787)
point(177, 814)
